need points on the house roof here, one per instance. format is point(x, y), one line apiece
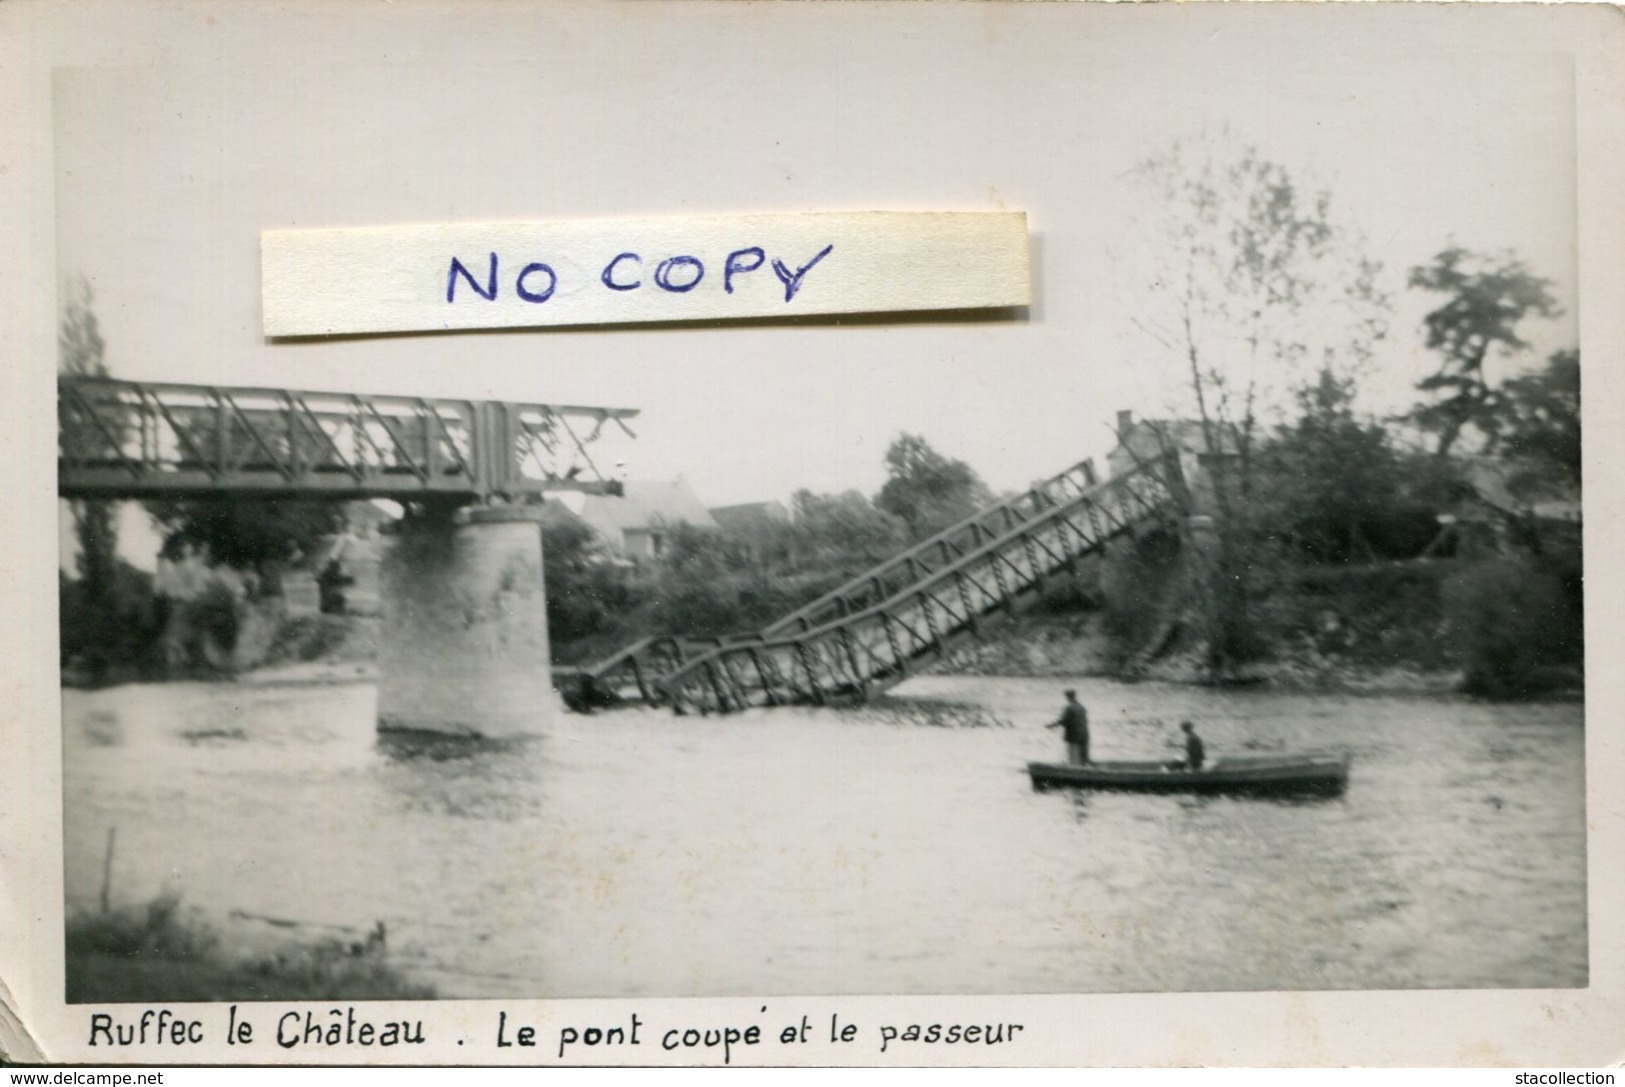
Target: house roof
point(556, 514)
point(1185, 433)
point(645, 505)
point(1499, 483)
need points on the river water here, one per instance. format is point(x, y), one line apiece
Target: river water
point(891, 848)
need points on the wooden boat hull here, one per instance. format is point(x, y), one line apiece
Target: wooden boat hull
point(1315, 775)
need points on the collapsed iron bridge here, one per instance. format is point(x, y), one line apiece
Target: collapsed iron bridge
point(910, 611)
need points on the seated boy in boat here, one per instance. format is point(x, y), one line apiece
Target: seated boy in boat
point(1195, 753)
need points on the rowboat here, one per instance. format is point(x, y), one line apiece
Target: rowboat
point(1321, 775)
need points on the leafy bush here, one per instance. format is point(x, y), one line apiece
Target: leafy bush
point(309, 638)
point(158, 928)
point(1068, 593)
point(1139, 582)
point(1517, 626)
point(113, 635)
point(213, 614)
point(1375, 615)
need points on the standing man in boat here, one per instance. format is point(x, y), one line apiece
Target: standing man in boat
point(1074, 726)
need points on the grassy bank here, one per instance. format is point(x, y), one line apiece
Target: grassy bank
point(161, 952)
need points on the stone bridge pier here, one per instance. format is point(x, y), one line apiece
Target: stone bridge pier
point(463, 639)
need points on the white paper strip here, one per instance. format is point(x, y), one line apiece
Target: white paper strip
point(583, 272)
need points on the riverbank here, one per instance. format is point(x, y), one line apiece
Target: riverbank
point(1059, 647)
point(164, 951)
point(336, 649)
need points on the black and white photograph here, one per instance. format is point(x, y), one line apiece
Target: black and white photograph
point(1214, 623)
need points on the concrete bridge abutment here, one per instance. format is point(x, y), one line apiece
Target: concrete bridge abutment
point(463, 639)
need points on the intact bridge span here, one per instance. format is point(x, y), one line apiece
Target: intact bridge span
point(463, 644)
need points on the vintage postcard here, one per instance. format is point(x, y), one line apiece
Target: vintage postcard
point(863, 534)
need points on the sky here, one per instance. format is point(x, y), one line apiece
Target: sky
point(1424, 128)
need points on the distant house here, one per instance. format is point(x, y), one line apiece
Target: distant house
point(637, 524)
point(1142, 440)
point(1509, 511)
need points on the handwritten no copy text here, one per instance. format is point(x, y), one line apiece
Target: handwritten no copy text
point(676, 274)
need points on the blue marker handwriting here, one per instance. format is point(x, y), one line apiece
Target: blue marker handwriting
point(536, 282)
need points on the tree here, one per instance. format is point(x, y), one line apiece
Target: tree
point(842, 529)
point(586, 596)
point(926, 490)
point(1248, 283)
point(1538, 420)
point(1254, 291)
point(80, 353)
point(1487, 298)
point(79, 339)
point(1327, 478)
point(254, 535)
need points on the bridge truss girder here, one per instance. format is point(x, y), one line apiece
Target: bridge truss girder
point(912, 609)
point(137, 439)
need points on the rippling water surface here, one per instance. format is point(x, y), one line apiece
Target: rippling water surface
point(896, 847)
